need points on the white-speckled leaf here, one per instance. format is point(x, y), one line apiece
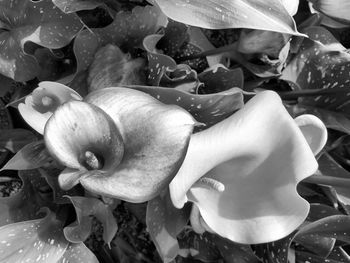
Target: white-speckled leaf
point(71, 6)
point(78, 253)
point(158, 63)
point(128, 29)
point(274, 252)
point(208, 109)
point(335, 226)
point(256, 14)
point(39, 240)
point(164, 223)
point(85, 208)
point(40, 22)
point(321, 64)
point(22, 205)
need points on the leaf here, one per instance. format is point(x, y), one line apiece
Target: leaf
point(31, 156)
point(7, 84)
point(208, 109)
point(164, 222)
point(127, 30)
point(336, 226)
point(41, 240)
point(39, 22)
point(130, 28)
point(338, 10)
point(23, 205)
point(71, 6)
point(157, 62)
point(321, 66)
point(199, 246)
point(255, 14)
point(113, 68)
point(328, 166)
point(15, 139)
point(219, 78)
point(274, 252)
point(235, 253)
point(51, 177)
point(85, 207)
point(332, 119)
point(77, 253)
point(312, 258)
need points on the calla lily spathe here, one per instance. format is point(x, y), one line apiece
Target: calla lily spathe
point(119, 142)
point(242, 173)
point(44, 100)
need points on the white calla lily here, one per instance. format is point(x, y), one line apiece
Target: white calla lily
point(43, 101)
point(242, 173)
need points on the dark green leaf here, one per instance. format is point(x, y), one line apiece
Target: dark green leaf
point(31, 156)
point(40, 22)
point(15, 139)
point(164, 223)
point(85, 207)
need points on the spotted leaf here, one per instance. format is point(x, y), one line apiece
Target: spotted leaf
point(265, 15)
point(321, 65)
point(208, 109)
point(40, 22)
point(274, 252)
point(71, 6)
point(77, 253)
point(127, 30)
point(198, 246)
point(164, 223)
point(302, 256)
point(25, 204)
point(85, 208)
point(335, 226)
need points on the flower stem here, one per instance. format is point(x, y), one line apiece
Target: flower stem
point(289, 95)
point(328, 180)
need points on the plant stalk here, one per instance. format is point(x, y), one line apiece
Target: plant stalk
point(328, 180)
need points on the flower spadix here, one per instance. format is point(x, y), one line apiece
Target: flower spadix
point(119, 142)
point(43, 101)
point(242, 173)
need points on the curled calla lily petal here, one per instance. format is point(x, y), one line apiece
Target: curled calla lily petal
point(291, 6)
point(43, 101)
point(89, 136)
point(314, 130)
point(84, 137)
point(242, 173)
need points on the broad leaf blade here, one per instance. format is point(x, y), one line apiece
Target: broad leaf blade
point(164, 223)
point(255, 14)
point(40, 22)
point(31, 156)
point(39, 240)
point(15, 139)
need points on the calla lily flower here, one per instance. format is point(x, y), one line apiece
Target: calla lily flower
point(242, 173)
point(119, 142)
point(43, 101)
